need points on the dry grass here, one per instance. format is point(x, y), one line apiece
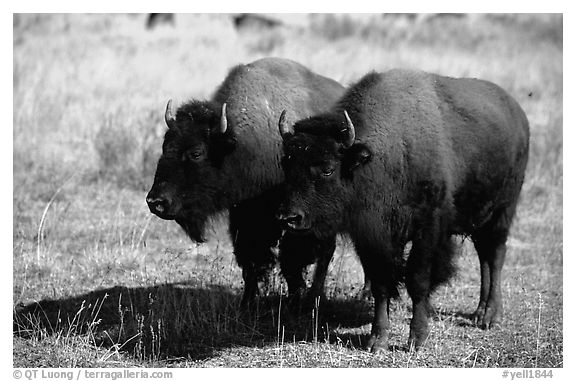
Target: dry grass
point(103, 283)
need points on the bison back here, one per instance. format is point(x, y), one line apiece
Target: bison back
point(256, 94)
point(437, 142)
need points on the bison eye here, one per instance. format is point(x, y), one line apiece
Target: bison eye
point(193, 155)
point(327, 172)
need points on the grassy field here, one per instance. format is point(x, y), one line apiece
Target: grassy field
point(100, 282)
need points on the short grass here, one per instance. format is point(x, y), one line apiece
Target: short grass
point(99, 282)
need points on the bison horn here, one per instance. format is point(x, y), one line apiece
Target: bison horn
point(223, 120)
point(285, 129)
point(169, 115)
point(350, 134)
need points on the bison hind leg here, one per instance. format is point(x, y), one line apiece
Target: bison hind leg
point(490, 244)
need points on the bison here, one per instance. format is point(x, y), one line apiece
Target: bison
point(157, 19)
point(224, 154)
point(409, 156)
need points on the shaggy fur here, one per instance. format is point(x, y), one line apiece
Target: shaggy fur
point(202, 171)
point(433, 157)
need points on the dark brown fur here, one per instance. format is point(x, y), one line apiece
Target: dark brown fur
point(202, 171)
point(433, 157)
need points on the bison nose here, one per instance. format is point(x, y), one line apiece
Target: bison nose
point(158, 205)
point(293, 218)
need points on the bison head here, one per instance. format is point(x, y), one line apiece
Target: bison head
point(320, 157)
point(187, 181)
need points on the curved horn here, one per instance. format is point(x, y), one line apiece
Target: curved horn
point(283, 127)
point(169, 116)
point(350, 133)
point(223, 120)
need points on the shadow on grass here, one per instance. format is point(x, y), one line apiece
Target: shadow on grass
point(457, 318)
point(184, 321)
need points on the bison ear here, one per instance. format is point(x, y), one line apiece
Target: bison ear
point(285, 129)
point(355, 157)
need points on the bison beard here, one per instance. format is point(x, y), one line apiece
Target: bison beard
point(223, 154)
point(193, 227)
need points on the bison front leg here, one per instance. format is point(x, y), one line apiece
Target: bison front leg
point(297, 252)
point(256, 260)
point(254, 233)
point(250, 287)
point(324, 252)
point(418, 282)
point(380, 265)
point(378, 341)
point(293, 255)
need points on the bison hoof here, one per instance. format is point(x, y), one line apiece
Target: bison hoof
point(487, 318)
point(417, 340)
point(377, 344)
point(414, 344)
